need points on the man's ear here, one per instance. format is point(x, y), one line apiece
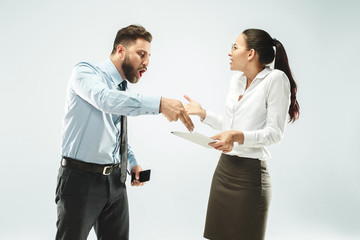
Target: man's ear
point(252, 54)
point(121, 51)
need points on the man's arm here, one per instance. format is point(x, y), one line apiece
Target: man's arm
point(90, 87)
point(173, 110)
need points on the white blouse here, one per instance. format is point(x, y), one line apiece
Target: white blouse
point(261, 114)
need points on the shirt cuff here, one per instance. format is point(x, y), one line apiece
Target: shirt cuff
point(151, 105)
point(132, 162)
point(249, 138)
point(210, 118)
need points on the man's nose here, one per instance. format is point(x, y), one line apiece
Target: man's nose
point(146, 61)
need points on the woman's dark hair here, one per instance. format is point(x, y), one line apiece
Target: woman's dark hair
point(263, 44)
point(129, 34)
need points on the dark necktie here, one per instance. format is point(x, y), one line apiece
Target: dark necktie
point(123, 142)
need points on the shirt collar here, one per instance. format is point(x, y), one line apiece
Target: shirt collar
point(260, 75)
point(114, 73)
point(263, 73)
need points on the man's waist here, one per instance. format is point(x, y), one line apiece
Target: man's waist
point(105, 169)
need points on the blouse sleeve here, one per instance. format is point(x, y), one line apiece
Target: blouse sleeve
point(278, 102)
point(214, 120)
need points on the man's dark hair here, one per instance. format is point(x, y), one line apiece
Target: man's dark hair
point(130, 34)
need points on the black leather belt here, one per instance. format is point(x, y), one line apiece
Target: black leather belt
point(88, 167)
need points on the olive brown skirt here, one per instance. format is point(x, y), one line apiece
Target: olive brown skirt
point(239, 200)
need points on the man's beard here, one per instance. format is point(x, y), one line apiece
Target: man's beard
point(131, 74)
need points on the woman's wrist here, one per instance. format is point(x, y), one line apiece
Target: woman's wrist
point(202, 114)
point(238, 137)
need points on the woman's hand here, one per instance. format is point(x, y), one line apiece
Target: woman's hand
point(226, 140)
point(194, 108)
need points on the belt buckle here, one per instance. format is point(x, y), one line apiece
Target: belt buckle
point(105, 170)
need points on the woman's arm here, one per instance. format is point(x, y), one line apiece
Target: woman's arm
point(278, 100)
point(226, 140)
point(213, 120)
point(194, 108)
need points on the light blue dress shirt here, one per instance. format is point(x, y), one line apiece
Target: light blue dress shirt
point(94, 103)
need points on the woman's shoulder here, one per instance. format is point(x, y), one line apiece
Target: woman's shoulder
point(277, 78)
point(277, 73)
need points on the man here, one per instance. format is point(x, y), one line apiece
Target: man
point(91, 187)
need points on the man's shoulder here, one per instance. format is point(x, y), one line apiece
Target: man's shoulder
point(86, 65)
point(89, 67)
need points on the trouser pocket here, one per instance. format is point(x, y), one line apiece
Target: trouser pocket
point(61, 182)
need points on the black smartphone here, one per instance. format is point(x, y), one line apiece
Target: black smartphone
point(144, 176)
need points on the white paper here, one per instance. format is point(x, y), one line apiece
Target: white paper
point(195, 138)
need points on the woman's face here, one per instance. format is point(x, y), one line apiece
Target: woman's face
point(239, 54)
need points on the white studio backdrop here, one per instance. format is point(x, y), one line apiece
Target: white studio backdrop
point(314, 170)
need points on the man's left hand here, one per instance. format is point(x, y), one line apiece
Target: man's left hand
point(137, 169)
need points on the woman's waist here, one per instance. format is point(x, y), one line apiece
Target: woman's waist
point(253, 153)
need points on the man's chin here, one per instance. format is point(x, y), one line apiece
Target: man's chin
point(133, 80)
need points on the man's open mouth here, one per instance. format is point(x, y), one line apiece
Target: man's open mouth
point(141, 72)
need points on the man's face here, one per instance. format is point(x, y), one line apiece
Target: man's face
point(136, 60)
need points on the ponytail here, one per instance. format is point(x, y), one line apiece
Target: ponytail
point(281, 63)
point(263, 44)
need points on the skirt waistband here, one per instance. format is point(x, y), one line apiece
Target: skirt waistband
point(243, 160)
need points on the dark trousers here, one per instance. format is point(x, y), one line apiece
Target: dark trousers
point(85, 200)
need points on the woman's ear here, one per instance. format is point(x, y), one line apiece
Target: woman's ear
point(251, 54)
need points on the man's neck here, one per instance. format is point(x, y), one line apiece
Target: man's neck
point(118, 65)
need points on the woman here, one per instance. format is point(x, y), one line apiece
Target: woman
point(259, 104)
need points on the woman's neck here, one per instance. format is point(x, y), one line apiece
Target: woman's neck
point(251, 74)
